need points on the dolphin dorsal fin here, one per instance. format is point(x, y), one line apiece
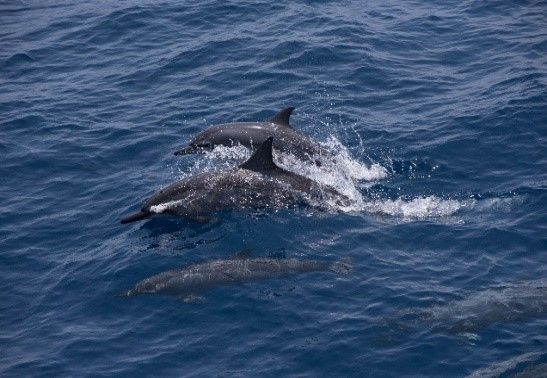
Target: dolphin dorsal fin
point(262, 159)
point(282, 118)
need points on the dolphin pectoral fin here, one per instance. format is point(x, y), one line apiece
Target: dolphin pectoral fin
point(136, 217)
point(262, 159)
point(195, 216)
point(241, 255)
point(282, 118)
point(231, 278)
point(192, 298)
point(200, 218)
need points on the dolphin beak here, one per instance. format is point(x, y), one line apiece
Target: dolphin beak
point(127, 293)
point(187, 150)
point(136, 217)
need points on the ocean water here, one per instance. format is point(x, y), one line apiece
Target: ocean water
point(437, 111)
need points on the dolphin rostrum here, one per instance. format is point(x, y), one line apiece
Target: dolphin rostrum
point(257, 183)
point(253, 134)
point(190, 281)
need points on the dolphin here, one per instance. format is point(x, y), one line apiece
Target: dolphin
point(257, 183)
point(190, 281)
point(526, 365)
point(253, 134)
point(507, 303)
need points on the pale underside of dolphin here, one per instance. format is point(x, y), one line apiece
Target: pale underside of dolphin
point(189, 282)
point(257, 183)
point(253, 134)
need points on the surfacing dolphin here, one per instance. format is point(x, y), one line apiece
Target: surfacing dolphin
point(253, 134)
point(191, 281)
point(257, 183)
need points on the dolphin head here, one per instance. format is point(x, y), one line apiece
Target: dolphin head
point(230, 134)
point(202, 142)
point(159, 283)
point(165, 199)
point(147, 286)
point(168, 200)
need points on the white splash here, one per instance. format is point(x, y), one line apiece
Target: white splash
point(349, 166)
point(435, 207)
point(426, 207)
point(325, 175)
point(338, 172)
point(346, 175)
point(235, 153)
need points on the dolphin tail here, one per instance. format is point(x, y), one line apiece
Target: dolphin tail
point(342, 266)
point(136, 217)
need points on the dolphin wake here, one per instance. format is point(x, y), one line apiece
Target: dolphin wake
point(349, 176)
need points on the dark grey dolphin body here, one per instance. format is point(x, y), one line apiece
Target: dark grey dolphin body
point(253, 134)
point(258, 183)
point(190, 281)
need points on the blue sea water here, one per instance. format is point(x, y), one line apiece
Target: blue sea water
point(437, 110)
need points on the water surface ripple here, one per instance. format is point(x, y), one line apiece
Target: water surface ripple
point(438, 111)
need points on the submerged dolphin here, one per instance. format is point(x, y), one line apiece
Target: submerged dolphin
point(190, 281)
point(253, 134)
point(257, 183)
point(479, 310)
